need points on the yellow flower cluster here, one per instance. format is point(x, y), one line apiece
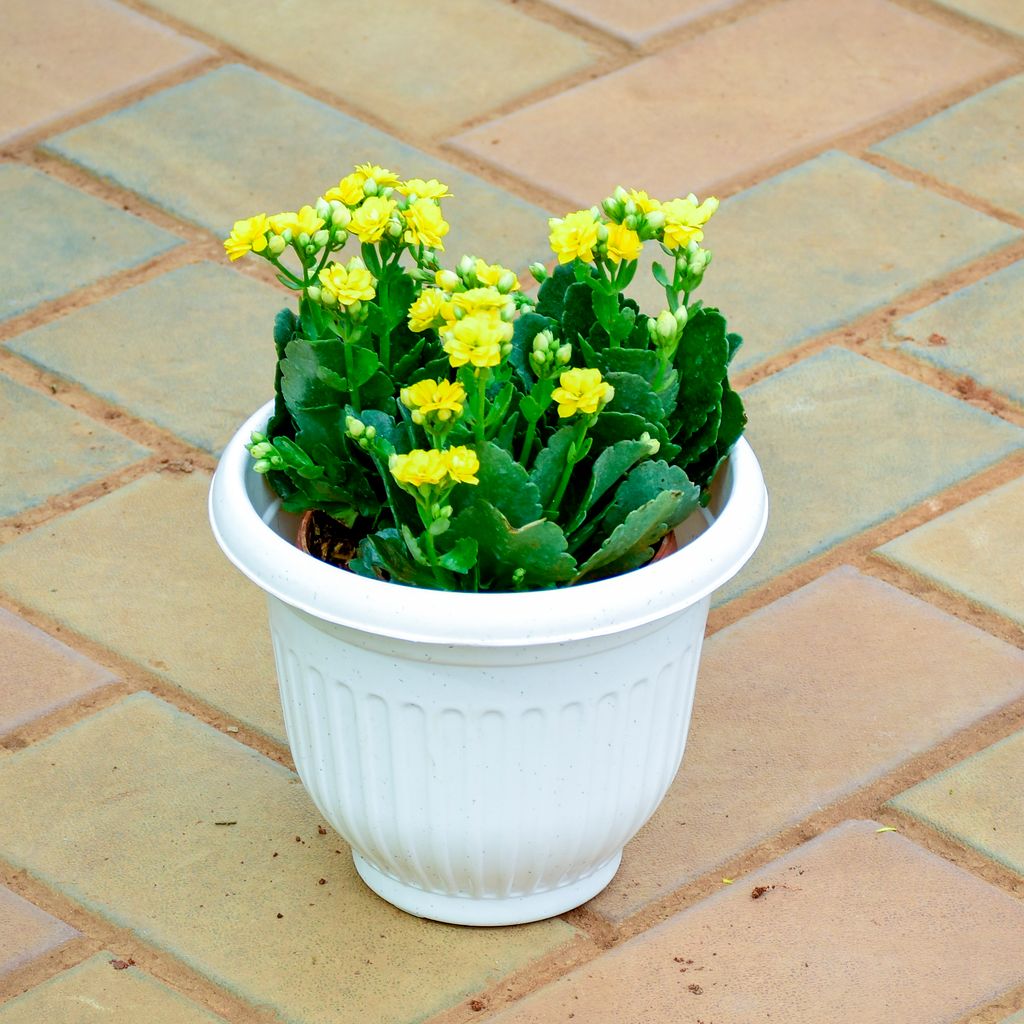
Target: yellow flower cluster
point(633, 217)
point(305, 221)
point(434, 468)
point(417, 219)
point(474, 323)
point(345, 285)
point(582, 390)
point(438, 397)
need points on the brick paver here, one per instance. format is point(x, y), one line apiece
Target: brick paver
point(641, 20)
point(977, 801)
point(38, 673)
point(26, 932)
point(95, 993)
point(880, 676)
point(976, 332)
point(582, 143)
point(334, 47)
point(61, 56)
point(815, 247)
point(76, 239)
point(976, 145)
point(47, 449)
point(203, 131)
point(205, 855)
point(975, 550)
point(1007, 15)
point(844, 443)
point(198, 376)
point(202, 627)
point(855, 925)
point(216, 895)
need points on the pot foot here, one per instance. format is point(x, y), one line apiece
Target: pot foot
point(486, 911)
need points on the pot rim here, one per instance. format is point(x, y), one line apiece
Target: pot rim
point(604, 607)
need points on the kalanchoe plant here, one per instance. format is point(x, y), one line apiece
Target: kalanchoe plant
point(468, 436)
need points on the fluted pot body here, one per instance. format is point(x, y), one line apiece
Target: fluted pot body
point(486, 756)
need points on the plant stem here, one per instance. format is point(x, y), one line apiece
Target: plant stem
point(482, 374)
point(531, 433)
point(432, 555)
point(353, 389)
point(556, 501)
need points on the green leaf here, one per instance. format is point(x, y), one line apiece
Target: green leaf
point(701, 360)
point(504, 484)
point(644, 483)
point(301, 383)
point(734, 341)
point(296, 459)
point(551, 296)
point(527, 327)
point(578, 317)
point(643, 362)
point(550, 461)
point(461, 558)
point(538, 549)
point(700, 440)
point(364, 365)
point(619, 426)
point(609, 467)
point(384, 556)
point(633, 394)
point(630, 542)
point(733, 420)
point(659, 275)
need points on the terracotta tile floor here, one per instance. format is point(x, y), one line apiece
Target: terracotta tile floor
point(865, 676)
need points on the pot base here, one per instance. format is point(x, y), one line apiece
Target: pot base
point(486, 912)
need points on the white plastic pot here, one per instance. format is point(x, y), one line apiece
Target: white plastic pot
point(487, 756)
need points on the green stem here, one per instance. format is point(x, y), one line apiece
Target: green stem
point(482, 375)
point(531, 433)
point(354, 390)
point(432, 555)
point(284, 270)
point(556, 501)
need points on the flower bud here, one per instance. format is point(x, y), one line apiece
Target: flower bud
point(595, 212)
point(371, 433)
point(340, 216)
point(508, 312)
point(340, 236)
point(620, 194)
point(564, 354)
point(395, 228)
point(310, 249)
point(257, 438)
point(327, 298)
point(438, 526)
point(666, 326)
point(602, 232)
point(356, 262)
point(354, 309)
point(315, 294)
point(653, 444)
point(321, 238)
point(540, 358)
point(262, 466)
point(506, 350)
point(655, 220)
point(539, 272)
point(612, 208)
point(631, 221)
point(276, 245)
point(276, 462)
point(323, 209)
point(542, 340)
point(354, 427)
point(681, 316)
point(447, 280)
point(629, 208)
point(467, 266)
point(303, 239)
point(261, 450)
point(506, 282)
point(369, 187)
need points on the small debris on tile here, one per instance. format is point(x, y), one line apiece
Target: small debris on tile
point(476, 1005)
point(321, 830)
point(759, 890)
point(695, 989)
point(225, 823)
point(122, 965)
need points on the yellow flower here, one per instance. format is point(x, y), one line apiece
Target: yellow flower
point(476, 339)
point(428, 310)
point(381, 175)
point(371, 219)
point(478, 300)
point(346, 285)
point(348, 191)
point(492, 273)
point(437, 396)
point(424, 224)
point(432, 189)
point(419, 467)
point(574, 236)
point(463, 464)
point(684, 219)
point(305, 221)
point(644, 203)
point(581, 390)
point(246, 235)
point(623, 244)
